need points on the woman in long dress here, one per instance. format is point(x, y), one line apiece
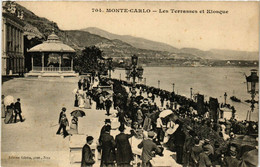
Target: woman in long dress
point(9, 114)
point(76, 102)
point(81, 98)
point(74, 126)
point(87, 104)
point(3, 109)
point(81, 101)
point(96, 82)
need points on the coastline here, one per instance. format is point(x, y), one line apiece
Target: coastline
point(208, 81)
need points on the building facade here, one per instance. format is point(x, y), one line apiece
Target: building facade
point(12, 40)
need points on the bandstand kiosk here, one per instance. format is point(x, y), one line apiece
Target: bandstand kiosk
point(52, 58)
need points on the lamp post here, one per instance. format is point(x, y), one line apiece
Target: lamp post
point(173, 87)
point(253, 89)
point(134, 72)
point(159, 84)
point(225, 98)
point(101, 63)
point(191, 93)
point(110, 67)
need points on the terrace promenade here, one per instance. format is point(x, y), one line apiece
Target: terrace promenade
point(41, 101)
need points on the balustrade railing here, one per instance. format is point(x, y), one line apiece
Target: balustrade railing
point(51, 69)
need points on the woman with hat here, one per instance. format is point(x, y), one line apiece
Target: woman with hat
point(74, 126)
point(139, 115)
point(81, 99)
point(124, 154)
point(9, 114)
point(138, 132)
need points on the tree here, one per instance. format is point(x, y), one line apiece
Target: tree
point(90, 60)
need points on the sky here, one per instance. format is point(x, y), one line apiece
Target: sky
point(236, 30)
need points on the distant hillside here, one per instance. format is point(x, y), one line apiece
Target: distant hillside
point(114, 48)
point(152, 45)
point(40, 27)
point(123, 46)
point(219, 54)
point(239, 55)
point(134, 41)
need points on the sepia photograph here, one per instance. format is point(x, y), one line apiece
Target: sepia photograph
point(129, 84)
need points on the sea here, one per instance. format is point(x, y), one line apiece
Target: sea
point(209, 81)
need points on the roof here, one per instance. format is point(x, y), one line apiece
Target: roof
point(15, 21)
point(32, 32)
point(53, 44)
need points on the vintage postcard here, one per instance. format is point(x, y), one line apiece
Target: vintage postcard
point(95, 83)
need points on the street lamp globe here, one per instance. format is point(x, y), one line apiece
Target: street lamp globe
point(252, 82)
point(134, 60)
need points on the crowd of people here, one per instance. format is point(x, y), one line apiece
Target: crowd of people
point(197, 139)
point(11, 111)
point(87, 92)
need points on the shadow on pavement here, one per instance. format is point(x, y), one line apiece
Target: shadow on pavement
point(7, 78)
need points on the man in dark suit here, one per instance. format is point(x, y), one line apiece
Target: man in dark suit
point(18, 110)
point(63, 110)
point(179, 140)
point(149, 148)
point(108, 104)
point(108, 148)
point(195, 152)
point(79, 84)
point(63, 122)
point(124, 154)
point(102, 131)
point(121, 116)
point(87, 155)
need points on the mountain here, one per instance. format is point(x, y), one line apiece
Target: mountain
point(213, 54)
point(197, 52)
point(114, 48)
point(239, 55)
point(40, 27)
point(123, 45)
point(134, 41)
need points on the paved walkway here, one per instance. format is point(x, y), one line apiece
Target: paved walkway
point(42, 100)
point(34, 142)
